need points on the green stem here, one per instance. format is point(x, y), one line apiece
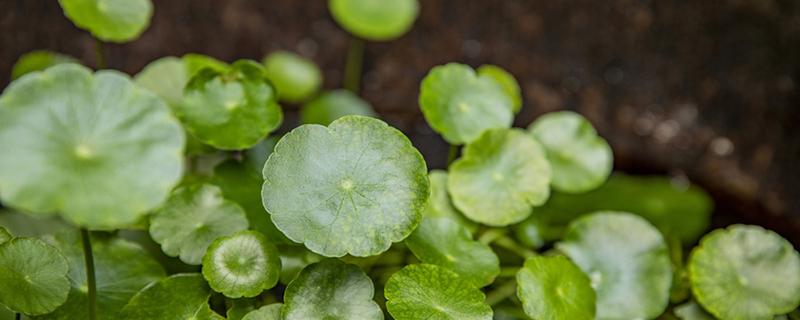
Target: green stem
point(491, 235)
point(513, 246)
point(501, 293)
point(452, 154)
point(90, 277)
point(508, 272)
point(352, 67)
point(99, 54)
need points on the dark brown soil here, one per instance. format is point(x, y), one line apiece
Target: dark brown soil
point(706, 89)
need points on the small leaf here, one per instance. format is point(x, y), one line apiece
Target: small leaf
point(231, 109)
point(181, 296)
point(238, 308)
point(353, 187)
point(692, 311)
point(534, 232)
point(500, 177)
point(439, 203)
point(293, 260)
point(242, 265)
point(193, 217)
point(375, 20)
point(627, 261)
point(38, 60)
point(426, 291)
point(33, 280)
point(745, 272)
point(295, 78)
point(444, 242)
point(110, 20)
point(330, 289)
point(95, 148)
point(122, 268)
point(333, 105)
point(553, 288)
point(581, 159)
point(4, 235)
point(506, 81)
point(460, 106)
point(268, 312)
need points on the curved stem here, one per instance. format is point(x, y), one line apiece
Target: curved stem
point(513, 246)
point(90, 277)
point(501, 293)
point(352, 67)
point(491, 235)
point(99, 54)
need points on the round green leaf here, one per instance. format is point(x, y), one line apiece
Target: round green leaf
point(243, 264)
point(122, 268)
point(506, 81)
point(627, 261)
point(33, 280)
point(181, 296)
point(553, 288)
point(426, 291)
point(268, 312)
point(439, 203)
point(4, 235)
point(293, 260)
point(38, 60)
point(745, 272)
point(193, 217)
point(460, 106)
point(330, 289)
point(294, 77)
point(333, 105)
point(166, 77)
point(375, 20)
point(500, 177)
point(353, 187)
point(231, 109)
point(444, 242)
point(95, 148)
point(581, 159)
point(110, 20)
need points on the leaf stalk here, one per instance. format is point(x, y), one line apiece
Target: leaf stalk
point(90, 276)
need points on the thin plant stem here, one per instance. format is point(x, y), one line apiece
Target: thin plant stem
point(513, 246)
point(452, 154)
point(100, 62)
point(90, 277)
point(501, 293)
point(491, 235)
point(352, 67)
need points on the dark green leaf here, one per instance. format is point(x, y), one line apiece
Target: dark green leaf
point(268, 312)
point(181, 296)
point(33, 276)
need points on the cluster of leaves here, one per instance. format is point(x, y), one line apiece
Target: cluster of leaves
point(189, 209)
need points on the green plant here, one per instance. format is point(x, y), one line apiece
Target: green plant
point(171, 196)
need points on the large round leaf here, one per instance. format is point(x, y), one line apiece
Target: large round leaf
point(33, 276)
point(181, 296)
point(294, 77)
point(444, 242)
point(581, 160)
point(110, 20)
point(268, 312)
point(122, 268)
point(460, 105)
point(231, 109)
point(353, 187)
point(244, 264)
point(500, 177)
point(745, 272)
point(375, 20)
point(439, 203)
point(330, 289)
point(333, 105)
point(193, 217)
point(627, 261)
point(553, 288)
point(95, 148)
point(425, 291)
point(38, 60)
point(506, 81)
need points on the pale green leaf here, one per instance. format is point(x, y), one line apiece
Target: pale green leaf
point(439, 203)
point(333, 105)
point(242, 265)
point(506, 81)
point(295, 78)
point(553, 288)
point(375, 20)
point(110, 20)
point(38, 60)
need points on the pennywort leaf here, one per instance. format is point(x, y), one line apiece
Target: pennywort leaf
point(375, 20)
point(192, 218)
point(268, 312)
point(440, 204)
point(745, 272)
point(93, 147)
point(33, 280)
point(353, 187)
point(38, 60)
point(626, 260)
point(460, 105)
point(425, 291)
point(110, 20)
point(330, 289)
point(553, 288)
point(500, 177)
point(242, 265)
point(333, 105)
point(506, 81)
point(294, 77)
point(180, 296)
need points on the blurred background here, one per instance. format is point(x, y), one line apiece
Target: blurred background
point(699, 90)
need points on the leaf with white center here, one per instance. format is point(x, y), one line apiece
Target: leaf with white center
point(180, 296)
point(33, 280)
point(330, 289)
point(426, 291)
point(193, 217)
point(110, 20)
point(553, 288)
point(627, 261)
point(353, 187)
point(500, 177)
point(244, 264)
